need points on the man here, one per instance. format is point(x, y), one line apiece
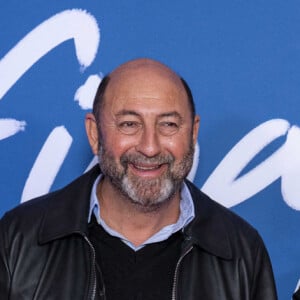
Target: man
point(137, 229)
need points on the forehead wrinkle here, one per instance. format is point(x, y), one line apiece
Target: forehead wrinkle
point(143, 81)
point(123, 106)
point(125, 112)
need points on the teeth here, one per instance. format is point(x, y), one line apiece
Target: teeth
point(146, 168)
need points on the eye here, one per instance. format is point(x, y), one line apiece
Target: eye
point(129, 127)
point(168, 128)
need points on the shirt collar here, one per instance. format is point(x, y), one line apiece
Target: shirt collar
point(187, 214)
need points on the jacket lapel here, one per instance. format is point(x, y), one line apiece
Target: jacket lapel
point(67, 213)
point(207, 230)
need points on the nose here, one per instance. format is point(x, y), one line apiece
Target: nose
point(149, 142)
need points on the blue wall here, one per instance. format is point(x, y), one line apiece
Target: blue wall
point(241, 59)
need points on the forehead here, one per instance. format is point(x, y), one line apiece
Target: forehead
point(151, 87)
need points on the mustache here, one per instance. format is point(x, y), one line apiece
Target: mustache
point(141, 159)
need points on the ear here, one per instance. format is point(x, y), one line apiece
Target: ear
point(92, 132)
point(196, 129)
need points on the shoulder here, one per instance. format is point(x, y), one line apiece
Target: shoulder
point(209, 208)
point(220, 228)
point(30, 208)
point(55, 204)
point(26, 217)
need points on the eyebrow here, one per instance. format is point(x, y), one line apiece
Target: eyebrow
point(171, 114)
point(125, 112)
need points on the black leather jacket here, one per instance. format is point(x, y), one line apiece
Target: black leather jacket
point(45, 252)
point(296, 295)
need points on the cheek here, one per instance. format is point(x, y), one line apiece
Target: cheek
point(178, 146)
point(116, 143)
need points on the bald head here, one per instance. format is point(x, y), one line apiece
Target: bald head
point(141, 73)
point(146, 68)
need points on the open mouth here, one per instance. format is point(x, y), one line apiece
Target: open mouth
point(148, 170)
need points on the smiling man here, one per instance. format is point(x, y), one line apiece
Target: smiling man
point(144, 134)
point(134, 227)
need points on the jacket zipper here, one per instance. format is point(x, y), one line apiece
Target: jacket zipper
point(174, 289)
point(93, 277)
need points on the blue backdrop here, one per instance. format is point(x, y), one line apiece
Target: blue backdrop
point(241, 59)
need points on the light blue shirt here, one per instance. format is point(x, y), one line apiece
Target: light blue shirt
point(187, 214)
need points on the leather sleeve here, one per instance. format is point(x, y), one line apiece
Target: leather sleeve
point(4, 270)
point(296, 295)
point(263, 286)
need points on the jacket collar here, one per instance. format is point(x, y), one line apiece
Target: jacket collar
point(210, 228)
point(67, 213)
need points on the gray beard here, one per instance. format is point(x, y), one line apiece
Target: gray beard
point(144, 195)
point(147, 195)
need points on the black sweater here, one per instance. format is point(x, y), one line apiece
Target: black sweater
point(146, 274)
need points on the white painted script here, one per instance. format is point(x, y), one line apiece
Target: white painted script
point(70, 24)
point(224, 184)
point(73, 24)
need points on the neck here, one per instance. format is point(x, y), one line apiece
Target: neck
point(133, 222)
